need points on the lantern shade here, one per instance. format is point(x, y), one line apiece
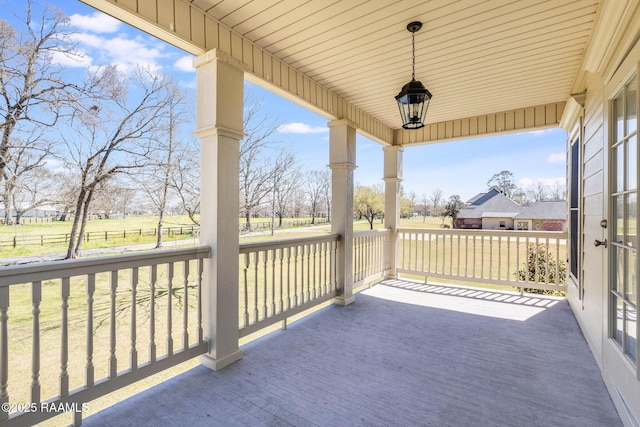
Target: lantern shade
point(413, 102)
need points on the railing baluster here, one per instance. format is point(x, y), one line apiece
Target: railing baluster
point(557, 281)
point(185, 308)
point(490, 257)
point(64, 340)
point(265, 256)
point(170, 310)
point(546, 267)
point(499, 257)
point(246, 289)
point(437, 254)
point(451, 254)
point(309, 284)
point(537, 252)
point(458, 263)
point(474, 254)
point(36, 298)
point(295, 276)
point(466, 255)
point(281, 303)
point(288, 278)
point(315, 271)
point(323, 267)
point(133, 359)
point(273, 282)
point(200, 270)
point(4, 349)
point(152, 318)
point(256, 280)
point(89, 369)
point(482, 239)
point(302, 271)
point(113, 360)
point(509, 258)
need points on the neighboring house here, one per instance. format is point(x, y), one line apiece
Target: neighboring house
point(495, 211)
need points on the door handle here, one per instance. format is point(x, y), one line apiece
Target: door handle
point(600, 243)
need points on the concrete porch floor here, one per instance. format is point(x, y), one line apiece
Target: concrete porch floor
point(404, 354)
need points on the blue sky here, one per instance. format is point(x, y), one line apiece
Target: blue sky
point(458, 167)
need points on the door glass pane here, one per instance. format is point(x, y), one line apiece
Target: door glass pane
point(618, 112)
point(618, 156)
point(618, 219)
point(630, 281)
point(619, 273)
point(631, 216)
point(631, 332)
point(632, 163)
point(617, 327)
point(632, 114)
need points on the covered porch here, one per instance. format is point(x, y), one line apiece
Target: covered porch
point(405, 353)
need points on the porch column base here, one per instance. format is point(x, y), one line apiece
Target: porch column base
point(217, 364)
point(343, 301)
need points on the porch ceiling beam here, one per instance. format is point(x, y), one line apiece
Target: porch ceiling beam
point(519, 120)
point(188, 27)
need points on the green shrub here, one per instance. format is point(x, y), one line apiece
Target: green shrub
point(538, 257)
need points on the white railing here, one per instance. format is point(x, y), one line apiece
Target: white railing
point(522, 259)
point(370, 248)
point(281, 278)
point(72, 331)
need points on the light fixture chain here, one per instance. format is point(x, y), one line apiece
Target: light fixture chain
point(413, 56)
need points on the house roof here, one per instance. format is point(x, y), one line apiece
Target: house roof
point(545, 210)
point(492, 66)
point(500, 214)
point(491, 202)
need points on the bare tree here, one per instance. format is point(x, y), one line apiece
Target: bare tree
point(22, 161)
point(33, 89)
point(256, 166)
point(34, 189)
point(424, 207)
point(285, 170)
point(537, 191)
point(504, 182)
point(314, 188)
point(113, 137)
point(558, 191)
point(326, 190)
point(436, 199)
point(156, 177)
point(185, 179)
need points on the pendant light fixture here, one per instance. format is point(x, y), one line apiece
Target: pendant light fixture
point(413, 99)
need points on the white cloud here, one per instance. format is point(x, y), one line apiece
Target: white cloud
point(97, 23)
point(123, 52)
point(557, 158)
point(301, 128)
point(185, 63)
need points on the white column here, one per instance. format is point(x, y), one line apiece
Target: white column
point(392, 182)
point(342, 157)
point(219, 125)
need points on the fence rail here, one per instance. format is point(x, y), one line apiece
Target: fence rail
point(282, 278)
point(78, 303)
point(91, 236)
point(263, 226)
point(523, 259)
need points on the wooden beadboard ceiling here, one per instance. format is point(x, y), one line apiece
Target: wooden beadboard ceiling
point(475, 56)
